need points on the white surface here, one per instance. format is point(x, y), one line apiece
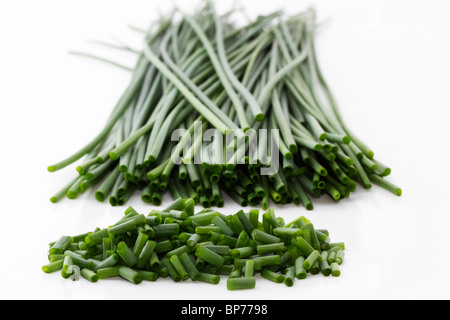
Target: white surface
point(387, 62)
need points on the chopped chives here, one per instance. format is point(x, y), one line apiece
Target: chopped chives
point(224, 228)
point(315, 269)
point(263, 237)
point(331, 257)
point(335, 271)
point(179, 251)
point(300, 271)
point(241, 253)
point(241, 283)
point(141, 241)
point(126, 254)
point(287, 232)
point(179, 267)
point(208, 278)
point(269, 260)
point(53, 267)
point(272, 276)
point(203, 257)
point(61, 245)
point(131, 275)
point(220, 250)
point(304, 246)
point(270, 248)
point(189, 265)
point(107, 273)
point(242, 240)
point(249, 269)
point(155, 263)
point(146, 254)
point(312, 258)
point(96, 237)
point(289, 277)
point(148, 275)
point(340, 257)
point(80, 261)
point(67, 263)
point(55, 257)
point(109, 262)
point(89, 275)
point(171, 269)
point(210, 257)
point(324, 266)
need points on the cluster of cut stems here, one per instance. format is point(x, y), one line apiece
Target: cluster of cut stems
point(181, 245)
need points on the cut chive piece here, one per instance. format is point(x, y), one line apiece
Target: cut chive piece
point(54, 266)
point(312, 258)
point(335, 271)
point(272, 276)
point(208, 278)
point(109, 262)
point(89, 275)
point(211, 257)
point(189, 265)
point(126, 254)
point(287, 232)
point(241, 283)
point(249, 269)
point(340, 257)
point(324, 266)
point(61, 245)
point(270, 248)
point(108, 272)
point(263, 237)
point(148, 275)
point(146, 254)
point(131, 275)
point(179, 267)
point(268, 261)
point(290, 277)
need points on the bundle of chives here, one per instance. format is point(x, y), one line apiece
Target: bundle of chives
point(201, 247)
point(262, 76)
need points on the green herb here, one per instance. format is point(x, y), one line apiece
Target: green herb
point(201, 67)
point(182, 249)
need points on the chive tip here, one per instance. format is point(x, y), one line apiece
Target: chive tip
point(293, 148)
point(260, 117)
point(288, 155)
point(100, 196)
point(71, 195)
point(51, 169)
point(113, 156)
point(346, 140)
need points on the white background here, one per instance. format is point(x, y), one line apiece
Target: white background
point(388, 64)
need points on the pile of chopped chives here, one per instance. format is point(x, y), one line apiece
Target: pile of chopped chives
point(200, 67)
point(176, 243)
